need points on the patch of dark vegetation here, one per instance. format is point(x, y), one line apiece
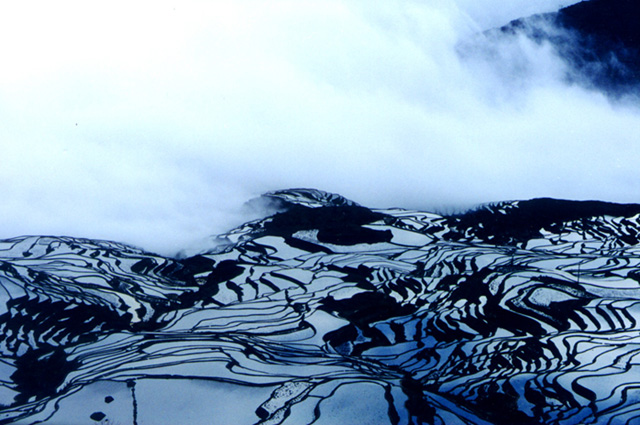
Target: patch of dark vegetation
point(512, 225)
point(40, 372)
point(339, 225)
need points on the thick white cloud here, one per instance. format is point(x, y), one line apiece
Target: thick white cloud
point(151, 123)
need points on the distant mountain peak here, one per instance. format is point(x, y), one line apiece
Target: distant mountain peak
point(599, 39)
point(312, 198)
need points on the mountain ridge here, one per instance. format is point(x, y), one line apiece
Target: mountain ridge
point(599, 39)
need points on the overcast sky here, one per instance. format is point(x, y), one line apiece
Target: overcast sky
point(153, 122)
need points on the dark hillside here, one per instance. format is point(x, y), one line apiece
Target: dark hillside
point(600, 39)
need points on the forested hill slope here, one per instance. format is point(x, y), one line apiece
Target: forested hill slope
point(600, 39)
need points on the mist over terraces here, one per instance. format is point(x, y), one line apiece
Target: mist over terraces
point(327, 311)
